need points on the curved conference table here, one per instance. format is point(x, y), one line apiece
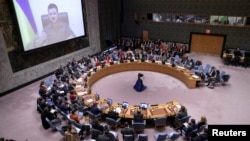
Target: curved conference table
point(153, 111)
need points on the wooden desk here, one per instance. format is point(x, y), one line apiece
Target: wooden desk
point(180, 73)
point(232, 55)
point(160, 110)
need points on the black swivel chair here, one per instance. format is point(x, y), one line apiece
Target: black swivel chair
point(142, 137)
point(128, 138)
point(160, 136)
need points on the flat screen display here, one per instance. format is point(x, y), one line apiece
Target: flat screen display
point(143, 105)
point(125, 105)
point(97, 97)
point(45, 22)
point(109, 101)
point(80, 113)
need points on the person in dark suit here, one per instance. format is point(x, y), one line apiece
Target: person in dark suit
point(215, 78)
point(237, 52)
point(113, 114)
point(138, 116)
point(107, 136)
point(139, 86)
point(182, 113)
point(189, 128)
point(64, 107)
point(42, 103)
point(96, 125)
point(94, 109)
point(47, 114)
point(211, 72)
point(127, 130)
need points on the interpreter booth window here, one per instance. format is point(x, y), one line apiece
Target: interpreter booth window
point(227, 20)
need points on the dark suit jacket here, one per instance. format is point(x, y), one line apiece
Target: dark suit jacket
point(189, 130)
point(211, 73)
point(98, 126)
point(181, 114)
point(95, 110)
point(138, 117)
point(114, 115)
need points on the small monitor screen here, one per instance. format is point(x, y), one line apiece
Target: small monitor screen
point(97, 97)
point(49, 102)
point(80, 114)
point(109, 101)
point(143, 105)
point(125, 105)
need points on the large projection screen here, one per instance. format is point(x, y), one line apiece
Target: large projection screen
point(207, 43)
point(45, 22)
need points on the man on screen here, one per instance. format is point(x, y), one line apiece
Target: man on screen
point(55, 31)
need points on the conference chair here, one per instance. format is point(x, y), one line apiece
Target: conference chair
point(60, 130)
point(93, 116)
point(128, 138)
point(222, 73)
point(77, 125)
point(53, 123)
point(198, 69)
point(71, 121)
point(237, 61)
point(138, 126)
point(224, 79)
point(173, 135)
point(246, 62)
point(182, 120)
point(160, 122)
point(95, 133)
point(81, 108)
point(142, 137)
point(206, 69)
point(160, 136)
point(113, 123)
point(192, 134)
point(115, 134)
point(201, 129)
point(64, 115)
point(228, 59)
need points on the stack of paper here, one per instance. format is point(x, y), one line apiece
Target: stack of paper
point(195, 76)
point(81, 93)
point(90, 100)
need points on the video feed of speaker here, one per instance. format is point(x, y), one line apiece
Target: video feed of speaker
point(47, 22)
